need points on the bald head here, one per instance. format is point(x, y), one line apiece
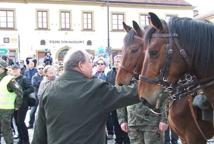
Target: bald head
point(73, 57)
point(78, 60)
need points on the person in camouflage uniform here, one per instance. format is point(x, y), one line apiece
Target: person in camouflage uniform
point(10, 99)
point(143, 125)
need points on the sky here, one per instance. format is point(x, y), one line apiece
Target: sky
point(202, 5)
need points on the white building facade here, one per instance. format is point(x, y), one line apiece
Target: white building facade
point(28, 29)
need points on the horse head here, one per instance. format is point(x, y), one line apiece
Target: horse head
point(132, 54)
point(162, 62)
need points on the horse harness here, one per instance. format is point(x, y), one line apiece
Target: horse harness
point(161, 79)
point(189, 85)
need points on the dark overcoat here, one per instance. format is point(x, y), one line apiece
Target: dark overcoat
point(73, 109)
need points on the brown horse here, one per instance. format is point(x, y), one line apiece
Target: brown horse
point(172, 50)
point(180, 118)
point(133, 47)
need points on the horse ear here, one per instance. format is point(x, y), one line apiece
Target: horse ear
point(137, 29)
point(155, 21)
point(126, 27)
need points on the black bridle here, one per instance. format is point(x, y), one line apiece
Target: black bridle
point(189, 86)
point(178, 90)
point(161, 79)
point(127, 70)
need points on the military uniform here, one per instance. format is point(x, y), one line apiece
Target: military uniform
point(143, 124)
point(10, 99)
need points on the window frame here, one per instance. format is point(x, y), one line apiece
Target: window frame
point(69, 21)
point(47, 19)
point(7, 21)
point(87, 23)
point(118, 24)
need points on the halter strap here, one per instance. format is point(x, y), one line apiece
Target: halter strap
point(195, 119)
point(125, 69)
point(162, 77)
point(164, 35)
point(183, 53)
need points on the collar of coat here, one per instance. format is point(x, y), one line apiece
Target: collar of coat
point(72, 75)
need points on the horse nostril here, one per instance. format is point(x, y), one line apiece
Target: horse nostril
point(120, 84)
point(142, 100)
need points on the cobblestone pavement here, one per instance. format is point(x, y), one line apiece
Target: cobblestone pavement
point(109, 141)
point(31, 135)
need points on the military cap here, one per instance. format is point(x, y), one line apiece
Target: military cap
point(3, 63)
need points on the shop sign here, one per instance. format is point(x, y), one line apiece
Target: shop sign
point(4, 51)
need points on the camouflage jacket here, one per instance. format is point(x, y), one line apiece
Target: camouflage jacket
point(140, 115)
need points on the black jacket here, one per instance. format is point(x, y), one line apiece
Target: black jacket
point(26, 87)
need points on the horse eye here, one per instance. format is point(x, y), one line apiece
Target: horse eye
point(134, 50)
point(153, 53)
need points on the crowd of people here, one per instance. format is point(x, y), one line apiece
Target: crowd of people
point(77, 102)
point(20, 84)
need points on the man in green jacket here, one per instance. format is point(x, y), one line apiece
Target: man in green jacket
point(74, 107)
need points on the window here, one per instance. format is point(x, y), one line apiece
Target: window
point(117, 21)
point(7, 19)
point(87, 21)
point(6, 40)
point(65, 20)
point(167, 18)
point(42, 42)
point(144, 21)
point(89, 43)
point(42, 19)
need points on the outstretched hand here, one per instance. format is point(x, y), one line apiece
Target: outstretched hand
point(163, 126)
point(124, 127)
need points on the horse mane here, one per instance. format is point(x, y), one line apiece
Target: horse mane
point(197, 38)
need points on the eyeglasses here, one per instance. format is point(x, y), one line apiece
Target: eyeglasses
point(40, 68)
point(100, 63)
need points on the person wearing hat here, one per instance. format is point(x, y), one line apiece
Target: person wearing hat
point(20, 114)
point(10, 99)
